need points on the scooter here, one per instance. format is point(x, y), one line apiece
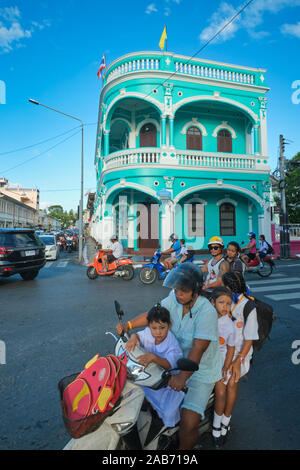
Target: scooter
point(155, 269)
point(122, 267)
point(266, 268)
point(132, 424)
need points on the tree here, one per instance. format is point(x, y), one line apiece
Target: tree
point(292, 189)
point(67, 218)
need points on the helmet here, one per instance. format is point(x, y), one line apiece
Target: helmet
point(216, 241)
point(252, 235)
point(186, 275)
point(113, 237)
point(173, 236)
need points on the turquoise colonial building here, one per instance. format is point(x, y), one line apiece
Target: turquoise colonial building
point(181, 147)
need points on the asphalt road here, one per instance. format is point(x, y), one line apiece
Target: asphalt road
point(53, 325)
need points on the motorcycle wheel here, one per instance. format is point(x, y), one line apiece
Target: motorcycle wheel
point(91, 272)
point(266, 270)
point(148, 275)
point(128, 272)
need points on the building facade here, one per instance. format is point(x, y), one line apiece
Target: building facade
point(181, 147)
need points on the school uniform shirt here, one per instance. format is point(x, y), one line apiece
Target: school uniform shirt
point(263, 246)
point(183, 252)
point(226, 334)
point(165, 401)
point(200, 323)
point(244, 331)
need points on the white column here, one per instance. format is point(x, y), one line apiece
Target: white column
point(263, 133)
point(167, 223)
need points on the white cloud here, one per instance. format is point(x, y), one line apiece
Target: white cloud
point(250, 19)
point(151, 9)
point(12, 32)
point(291, 29)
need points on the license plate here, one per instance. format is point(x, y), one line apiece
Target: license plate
point(30, 253)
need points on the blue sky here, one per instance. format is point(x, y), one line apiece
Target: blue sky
point(51, 51)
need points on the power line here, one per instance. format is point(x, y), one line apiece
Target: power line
point(20, 149)
point(40, 154)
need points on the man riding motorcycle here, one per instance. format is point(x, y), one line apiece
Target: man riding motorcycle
point(217, 266)
point(174, 250)
point(114, 252)
point(195, 325)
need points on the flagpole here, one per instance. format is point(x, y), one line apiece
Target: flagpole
point(166, 39)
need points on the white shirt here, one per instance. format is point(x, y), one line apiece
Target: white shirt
point(117, 249)
point(244, 331)
point(183, 251)
point(263, 246)
point(226, 334)
point(165, 401)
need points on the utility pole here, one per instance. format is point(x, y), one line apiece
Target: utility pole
point(284, 223)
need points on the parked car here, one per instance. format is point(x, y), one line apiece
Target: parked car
point(52, 248)
point(21, 252)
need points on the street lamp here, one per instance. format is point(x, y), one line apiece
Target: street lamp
point(81, 183)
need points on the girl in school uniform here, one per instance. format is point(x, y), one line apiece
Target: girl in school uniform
point(245, 334)
point(225, 389)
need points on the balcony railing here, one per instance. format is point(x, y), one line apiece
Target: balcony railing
point(175, 64)
point(182, 158)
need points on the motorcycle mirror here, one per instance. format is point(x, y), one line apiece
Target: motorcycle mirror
point(119, 311)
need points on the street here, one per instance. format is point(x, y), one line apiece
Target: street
point(53, 325)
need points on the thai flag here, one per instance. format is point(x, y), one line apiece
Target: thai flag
point(102, 66)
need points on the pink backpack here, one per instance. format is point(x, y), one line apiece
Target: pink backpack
point(91, 395)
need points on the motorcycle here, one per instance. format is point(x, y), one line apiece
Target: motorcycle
point(263, 270)
point(69, 247)
point(155, 269)
point(122, 267)
point(134, 425)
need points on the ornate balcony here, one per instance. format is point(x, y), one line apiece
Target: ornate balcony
point(143, 62)
point(187, 159)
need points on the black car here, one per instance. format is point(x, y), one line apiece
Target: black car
point(21, 252)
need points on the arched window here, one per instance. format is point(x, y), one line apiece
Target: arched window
point(193, 138)
point(148, 136)
point(224, 141)
point(227, 219)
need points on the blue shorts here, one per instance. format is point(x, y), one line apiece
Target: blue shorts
point(197, 397)
point(262, 255)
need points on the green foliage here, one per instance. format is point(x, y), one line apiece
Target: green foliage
point(292, 189)
point(67, 218)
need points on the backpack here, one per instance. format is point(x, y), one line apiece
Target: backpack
point(87, 398)
point(190, 254)
point(265, 318)
point(270, 249)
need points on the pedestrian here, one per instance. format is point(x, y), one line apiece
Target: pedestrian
point(90, 249)
point(163, 349)
point(194, 323)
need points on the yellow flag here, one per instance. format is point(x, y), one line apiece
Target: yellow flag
point(163, 38)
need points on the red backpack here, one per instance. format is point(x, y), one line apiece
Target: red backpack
point(87, 398)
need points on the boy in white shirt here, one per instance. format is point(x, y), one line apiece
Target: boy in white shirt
point(182, 255)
